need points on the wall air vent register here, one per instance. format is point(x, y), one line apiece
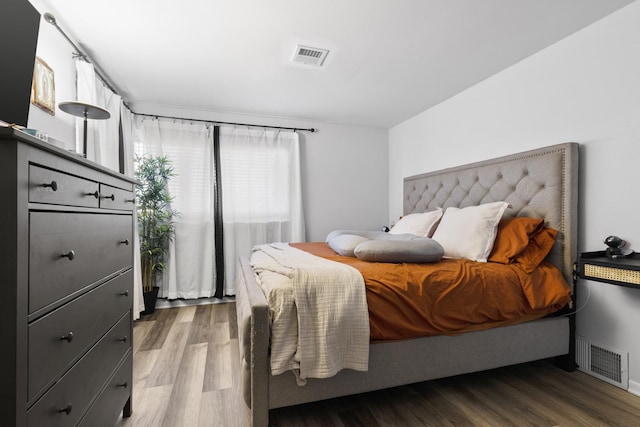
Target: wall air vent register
point(309, 55)
point(606, 363)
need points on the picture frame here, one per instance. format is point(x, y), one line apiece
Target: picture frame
point(43, 93)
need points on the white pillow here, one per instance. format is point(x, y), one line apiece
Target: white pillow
point(345, 244)
point(469, 232)
point(419, 224)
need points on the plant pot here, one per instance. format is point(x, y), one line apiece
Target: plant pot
point(150, 299)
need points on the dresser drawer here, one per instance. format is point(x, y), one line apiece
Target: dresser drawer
point(68, 251)
point(106, 410)
point(58, 339)
point(58, 188)
point(116, 198)
point(66, 402)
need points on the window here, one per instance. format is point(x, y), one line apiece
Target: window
point(256, 182)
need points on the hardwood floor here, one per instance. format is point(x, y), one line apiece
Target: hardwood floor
point(185, 375)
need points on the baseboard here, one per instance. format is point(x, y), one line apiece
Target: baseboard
point(634, 387)
point(173, 303)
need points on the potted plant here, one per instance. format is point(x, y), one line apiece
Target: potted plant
point(155, 221)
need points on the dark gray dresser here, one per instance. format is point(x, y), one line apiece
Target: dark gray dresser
point(66, 304)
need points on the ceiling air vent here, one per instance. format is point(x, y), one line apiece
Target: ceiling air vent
point(309, 55)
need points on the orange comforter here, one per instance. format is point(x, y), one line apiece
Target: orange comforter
point(451, 296)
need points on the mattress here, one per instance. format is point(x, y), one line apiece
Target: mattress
point(417, 300)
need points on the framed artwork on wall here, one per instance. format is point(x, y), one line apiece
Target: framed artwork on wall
point(43, 93)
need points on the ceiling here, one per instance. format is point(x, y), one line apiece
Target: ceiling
point(389, 59)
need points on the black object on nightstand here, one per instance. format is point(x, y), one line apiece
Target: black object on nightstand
point(598, 266)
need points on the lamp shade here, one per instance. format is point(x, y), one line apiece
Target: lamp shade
point(86, 111)
point(82, 109)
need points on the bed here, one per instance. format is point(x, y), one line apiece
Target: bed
point(540, 183)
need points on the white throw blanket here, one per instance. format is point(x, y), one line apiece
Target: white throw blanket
point(332, 314)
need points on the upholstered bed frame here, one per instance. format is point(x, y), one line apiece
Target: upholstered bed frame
point(537, 183)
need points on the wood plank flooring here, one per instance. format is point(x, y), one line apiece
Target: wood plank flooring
point(185, 375)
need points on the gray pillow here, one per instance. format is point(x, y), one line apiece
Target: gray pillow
point(344, 244)
point(418, 250)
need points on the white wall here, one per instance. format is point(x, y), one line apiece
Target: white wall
point(586, 89)
point(344, 169)
point(57, 53)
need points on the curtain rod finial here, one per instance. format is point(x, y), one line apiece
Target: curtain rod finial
point(50, 18)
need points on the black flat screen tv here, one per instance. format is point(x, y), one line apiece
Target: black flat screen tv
point(19, 26)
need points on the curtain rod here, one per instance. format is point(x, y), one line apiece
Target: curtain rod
point(225, 123)
point(80, 54)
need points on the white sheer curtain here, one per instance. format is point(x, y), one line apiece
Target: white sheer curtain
point(261, 194)
point(190, 270)
point(103, 147)
point(102, 135)
point(129, 170)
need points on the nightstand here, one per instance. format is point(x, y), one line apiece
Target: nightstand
point(619, 271)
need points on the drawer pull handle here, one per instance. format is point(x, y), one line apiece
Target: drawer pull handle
point(94, 194)
point(112, 197)
point(130, 200)
point(53, 185)
point(66, 409)
point(125, 242)
point(71, 255)
point(125, 293)
point(67, 338)
point(123, 339)
point(124, 384)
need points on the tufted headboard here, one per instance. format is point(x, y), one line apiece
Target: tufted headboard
point(541, 183)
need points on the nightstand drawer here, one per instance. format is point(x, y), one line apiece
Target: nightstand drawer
point(53, 187)
point(116, 198)
point(107, 408)
point(67, 401)
point(61, 337)
point(621, 271)
point(69, 251)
